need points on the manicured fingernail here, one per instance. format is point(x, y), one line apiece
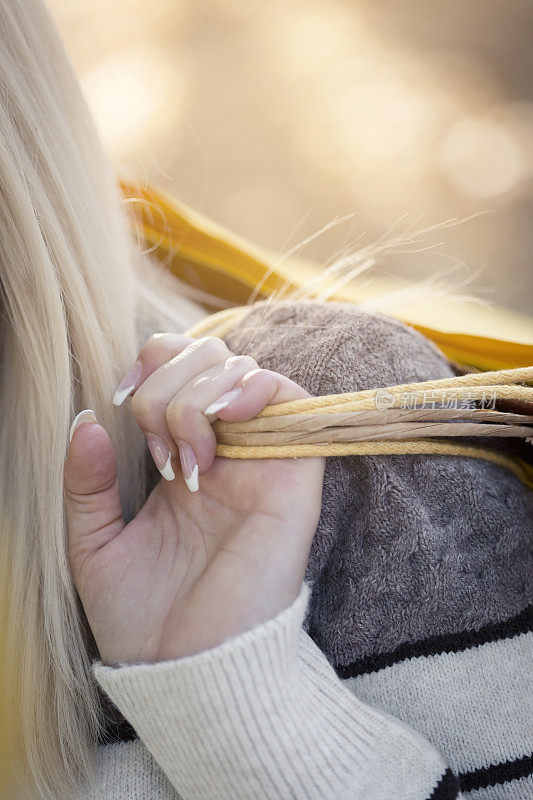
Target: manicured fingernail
point(189, 465)
point(223, 401)
point(161, 455)
point(87, 415)
point(128, 383)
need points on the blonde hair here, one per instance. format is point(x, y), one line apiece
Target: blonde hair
point(76, 303)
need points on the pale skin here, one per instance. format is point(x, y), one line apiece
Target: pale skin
point(193, 568)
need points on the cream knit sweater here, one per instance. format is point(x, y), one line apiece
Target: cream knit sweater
point(263, 716)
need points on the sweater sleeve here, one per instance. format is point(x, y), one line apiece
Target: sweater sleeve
point(264, 716)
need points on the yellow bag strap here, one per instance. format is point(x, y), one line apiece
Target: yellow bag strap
point(215, 261)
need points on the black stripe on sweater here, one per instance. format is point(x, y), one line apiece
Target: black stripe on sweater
point(434, 645)
point(447, 788)
point(117, 731)
point(496, 773)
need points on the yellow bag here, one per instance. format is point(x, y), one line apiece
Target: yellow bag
point(217, 262)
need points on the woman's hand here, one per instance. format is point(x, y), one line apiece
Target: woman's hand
point(205, 559)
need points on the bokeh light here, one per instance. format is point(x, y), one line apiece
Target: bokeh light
point(133, 95)
point(276, 118)
point(482, 158)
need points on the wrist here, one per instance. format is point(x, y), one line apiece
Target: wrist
point(222, 622)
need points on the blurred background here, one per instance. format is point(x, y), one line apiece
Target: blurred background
point(275, 117)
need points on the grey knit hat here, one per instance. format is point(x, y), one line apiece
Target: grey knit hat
point(407, 547)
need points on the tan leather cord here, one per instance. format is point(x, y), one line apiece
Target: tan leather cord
point(392, 420)
point(430, 392)
point(368, 433)
point(380, 449)
point(313, 421)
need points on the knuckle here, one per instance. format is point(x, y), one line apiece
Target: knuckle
point(146, 407)
point(255, 371)
point(260, 378)
point(213, 346)
point(156, 338)
point(163, 346)
point(180, 413)
point(244, 362)
point(154, 344)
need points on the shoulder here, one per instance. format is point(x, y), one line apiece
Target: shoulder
point(330, 347)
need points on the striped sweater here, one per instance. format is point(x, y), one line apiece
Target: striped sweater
point(403, 670)
point(265, 716)
point(261, 717)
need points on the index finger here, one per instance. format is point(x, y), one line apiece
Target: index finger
point(156, 351)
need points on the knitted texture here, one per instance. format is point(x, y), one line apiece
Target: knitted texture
point(261, 717)
point(407, 547)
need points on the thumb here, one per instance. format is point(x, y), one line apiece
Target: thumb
point(91, 489)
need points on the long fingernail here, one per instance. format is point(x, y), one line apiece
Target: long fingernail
point(128, 383)
point(223, 401)
point(161, 455)
point(189, 465)
point(87, 415)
